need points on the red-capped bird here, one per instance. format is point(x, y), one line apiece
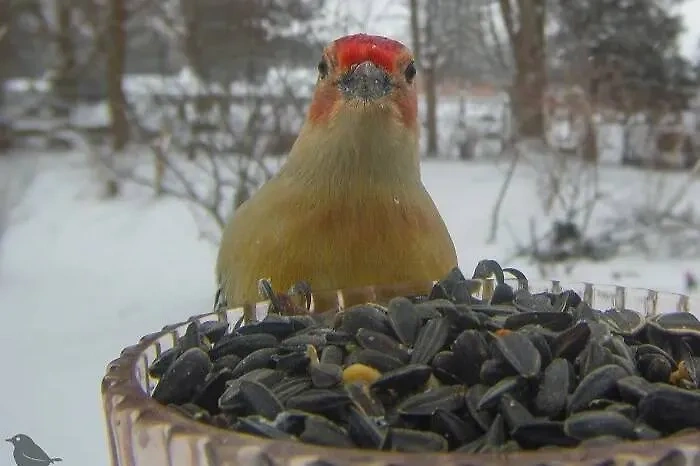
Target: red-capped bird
point(348, 208)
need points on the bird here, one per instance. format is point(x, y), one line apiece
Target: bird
point(348, 207)
point(28, 453)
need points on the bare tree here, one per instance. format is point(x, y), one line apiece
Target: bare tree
point(457, 47)
point(5, 46)
point(237, 140)
point(116, 57)
point(64, 80)
point(525, 25)
point(429, 65)
point(413, 6)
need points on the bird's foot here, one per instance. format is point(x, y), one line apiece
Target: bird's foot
point(295, 302)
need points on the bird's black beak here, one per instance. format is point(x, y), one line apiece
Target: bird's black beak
point(365, 81)
point(9, 439)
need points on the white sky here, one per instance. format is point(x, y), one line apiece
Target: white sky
point(689, 40)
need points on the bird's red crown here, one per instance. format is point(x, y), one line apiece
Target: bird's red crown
point(356, 48)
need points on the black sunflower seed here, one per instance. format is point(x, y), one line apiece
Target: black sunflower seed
point(447, 368)
point(514, 413)
point(260, 399)
point(470, 350)
point(593, 356)
point(494, 370)
point(539, 339)
point(318, 400)
point(226, 362)
point(517, 350)
point(633, 388)
point(626, 409)
point(590, 424)
point(242, 345)
point(321, 431)
point(332, 354)
point(363, 431)
point(496, 436)
point(279, 326)
point(413, 441)
point(162, 362)
point(655, 368)
point(290, 387)
point(365, 400)
point(404, 379)
point(369, 339)
point(597, 384)
point(364, 316)
point(449, 398)
point(258, 359)
point(472, 399)
point(294, 362)
point(502, 294)
point(404, 320)
point(670, 409)
point(431, 338)
point(207, 395)
point(456, 430)
point(325, 375)
point(179, 383)
point(539, 433)
point(373, 358)
point(571, 341)
point(554, 388)
point(213, 330)
point(492, 396)
point(556, 321)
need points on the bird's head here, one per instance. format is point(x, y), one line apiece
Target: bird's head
point(18, 439)
point(364, 74)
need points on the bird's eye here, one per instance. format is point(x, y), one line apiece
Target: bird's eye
point(410, 72)
point(323, 68)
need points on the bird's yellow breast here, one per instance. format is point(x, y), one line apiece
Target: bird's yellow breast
point(287, 234)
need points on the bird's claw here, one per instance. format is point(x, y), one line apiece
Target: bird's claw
point(220, 300)
point(302, 289)
point(296, 301)
point(267, 292)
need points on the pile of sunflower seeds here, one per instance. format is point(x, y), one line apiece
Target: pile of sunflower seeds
point(444, 372)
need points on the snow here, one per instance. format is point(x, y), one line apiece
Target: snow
point(81, 278)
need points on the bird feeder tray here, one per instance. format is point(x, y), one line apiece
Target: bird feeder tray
point(143, 431)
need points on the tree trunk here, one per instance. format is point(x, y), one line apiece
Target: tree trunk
point(191, 40)
point(116, 60)
point(415, 29)
point(5, 47)
point(527, 40)
point(65, 82)
point(430, 56)
point(431, 107)
point(590, 143)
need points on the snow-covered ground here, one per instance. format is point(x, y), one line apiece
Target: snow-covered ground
point(80, 278)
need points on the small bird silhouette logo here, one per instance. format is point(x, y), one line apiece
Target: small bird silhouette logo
point(28, 453)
